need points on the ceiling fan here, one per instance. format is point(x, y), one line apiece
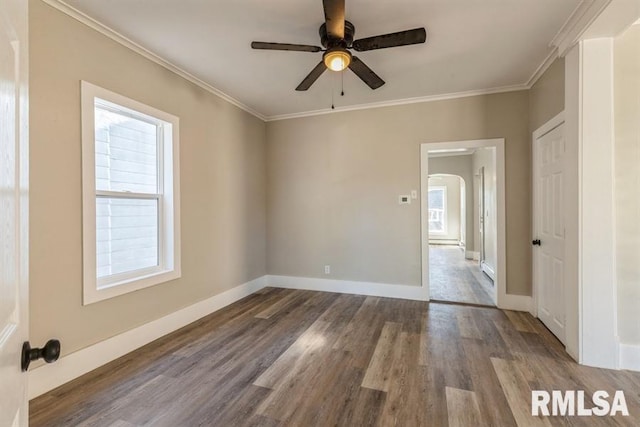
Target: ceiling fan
point(336, 36)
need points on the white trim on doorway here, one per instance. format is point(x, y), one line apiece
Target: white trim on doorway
point(549, 126)
point(629, 357)
point(503, 300)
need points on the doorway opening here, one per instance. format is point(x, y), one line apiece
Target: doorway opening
point(463, 221)
point(455, 273)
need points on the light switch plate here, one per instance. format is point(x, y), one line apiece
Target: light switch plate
point(414, 194)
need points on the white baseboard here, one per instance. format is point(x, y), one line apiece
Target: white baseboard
point(489, 270)
point(349, 287)
point(629, 356)
point(472, 255)
point(507, 302)
point(574, 354)
point(447, 242)
point(516, 302)
point(71, 366)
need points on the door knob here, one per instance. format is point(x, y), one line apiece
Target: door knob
point(50, 353)
point(536, 242)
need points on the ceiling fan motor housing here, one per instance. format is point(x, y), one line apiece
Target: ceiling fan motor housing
point(349, 33)
point(337, 37)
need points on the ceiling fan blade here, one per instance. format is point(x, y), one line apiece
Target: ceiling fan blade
point(365, 73)
point(402, 38)
point(334, 18)
point(312, 77)
point(285, 46)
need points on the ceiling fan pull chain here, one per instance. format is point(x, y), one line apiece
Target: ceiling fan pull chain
point(333, 90)
point(342, 77)
point(333, 107)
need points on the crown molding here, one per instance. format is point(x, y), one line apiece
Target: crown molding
point(126, 42)
point(574, 27)
point(577, 23)
point(406, 101)
point(583, 16)
point(542, 68)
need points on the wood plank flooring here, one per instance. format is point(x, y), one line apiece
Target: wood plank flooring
point(302, 358)
point(456, 279)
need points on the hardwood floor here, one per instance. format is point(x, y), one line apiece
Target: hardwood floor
point(456, 279)
point(302, 358)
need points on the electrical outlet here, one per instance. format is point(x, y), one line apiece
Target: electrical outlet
point(327, 269)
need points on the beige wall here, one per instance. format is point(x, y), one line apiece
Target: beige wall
point(627, 181)
point(452, 184)
point(461, 166)
point(546, 97)
point(222, 184)
point(334, 180)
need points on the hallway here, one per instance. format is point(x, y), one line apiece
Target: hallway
point(456, 279)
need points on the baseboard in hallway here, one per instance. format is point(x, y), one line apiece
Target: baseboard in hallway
point(463, 304)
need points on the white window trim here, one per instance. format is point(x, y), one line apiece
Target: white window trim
point(444, 206)
point(169, 214)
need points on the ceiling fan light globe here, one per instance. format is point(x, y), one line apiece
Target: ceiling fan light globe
point(337, 64)
point(337, 60)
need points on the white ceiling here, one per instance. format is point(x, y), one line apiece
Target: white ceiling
point(471, 45)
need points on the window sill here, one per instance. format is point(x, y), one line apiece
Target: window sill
point(93, 294)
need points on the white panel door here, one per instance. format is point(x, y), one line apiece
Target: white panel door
point(14, 214)
point(549, 230)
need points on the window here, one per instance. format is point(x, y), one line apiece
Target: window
point(131, 237)
point(437, 210)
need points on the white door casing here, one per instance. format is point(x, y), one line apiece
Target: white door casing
point(463, 213)
point(14, 213)
point(549, 228)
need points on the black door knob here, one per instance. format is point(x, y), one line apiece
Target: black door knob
point(50, 353)
point(536, 242)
